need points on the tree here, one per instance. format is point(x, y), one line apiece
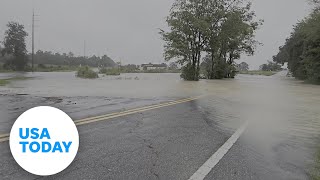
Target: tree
point(243, 66)
point(220, 29)
point(231, 34)
point(316, 3)
point(184, 42)
point(271, 66)
point(302, 49)
point(173, 66)
point(14, 44)
point(48, 57)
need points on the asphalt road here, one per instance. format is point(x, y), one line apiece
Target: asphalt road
point(167, 143)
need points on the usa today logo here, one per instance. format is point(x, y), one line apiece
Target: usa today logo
point(44, 141)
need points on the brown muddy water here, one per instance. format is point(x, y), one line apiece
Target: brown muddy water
point(283, 114)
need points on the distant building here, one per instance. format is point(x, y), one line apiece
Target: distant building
point(151, 66)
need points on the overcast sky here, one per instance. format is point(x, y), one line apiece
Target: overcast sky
point(127, 30)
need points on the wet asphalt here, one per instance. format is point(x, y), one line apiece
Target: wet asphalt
point(169, 143)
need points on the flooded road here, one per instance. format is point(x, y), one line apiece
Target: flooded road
point(283, 114)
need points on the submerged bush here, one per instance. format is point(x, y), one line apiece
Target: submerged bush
point(103, 70)
point(110, 72)
point(86, 72)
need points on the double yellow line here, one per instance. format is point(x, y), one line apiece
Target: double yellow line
point(5, 137)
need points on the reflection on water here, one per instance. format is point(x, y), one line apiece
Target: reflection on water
point(283, 114)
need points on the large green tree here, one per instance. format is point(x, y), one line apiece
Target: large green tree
point(232, 29)
point(15, 45)
point(220, 30)
point(302, 49)
point(184, 41)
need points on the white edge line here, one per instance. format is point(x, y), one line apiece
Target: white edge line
point(205, 169)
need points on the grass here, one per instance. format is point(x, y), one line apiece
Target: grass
point(261, 73)
point(86, 73)
point(110, 72)
point(4, 82)
point(6, 71)
point(316, 171)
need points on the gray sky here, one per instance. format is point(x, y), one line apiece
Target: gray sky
point(127, 30)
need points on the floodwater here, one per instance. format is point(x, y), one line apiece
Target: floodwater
point(283, 114)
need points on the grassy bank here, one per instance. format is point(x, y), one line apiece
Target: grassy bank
point(4, 82)
point(261, 73)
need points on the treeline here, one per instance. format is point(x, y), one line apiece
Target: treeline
point(270, 66)
point(14, 55)
point(302, 49)
point(47, 57)
point(218, 30)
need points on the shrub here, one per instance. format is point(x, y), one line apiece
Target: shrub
point(103, 70)
point(42, 66)
point(86, 72)
point(188, 73)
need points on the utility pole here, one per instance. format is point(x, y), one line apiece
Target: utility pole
point(33, 28)
point(84, 49)
point(32, 41)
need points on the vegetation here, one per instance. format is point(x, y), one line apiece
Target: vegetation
point(47, 57)
point(221, 29)
point(131, 69)
point(86, 72)
point(110, 72)
point(14, 55)
point(243, 66)
point(271, 66)
point(4, 82)
point(173, 66)
point(316, 171)
point(302, 49)
point(262, 73)
point(15, 47)
point(53, 68)
point(162, 71)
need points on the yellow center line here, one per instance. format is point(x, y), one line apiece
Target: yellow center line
point(132, 112)
point(5, 137)
point(136, 109)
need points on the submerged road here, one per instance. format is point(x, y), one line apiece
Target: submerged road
point(151, 142)
point(249, 130)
